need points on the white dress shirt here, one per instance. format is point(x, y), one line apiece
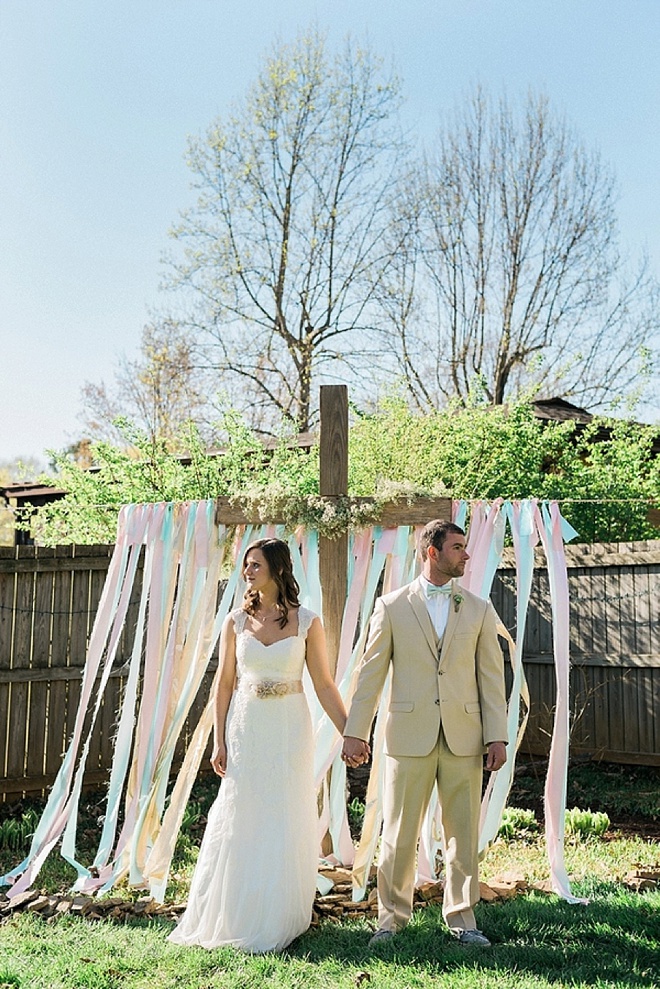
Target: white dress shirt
point(437, 602)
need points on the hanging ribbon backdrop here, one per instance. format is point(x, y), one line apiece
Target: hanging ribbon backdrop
point(178, 626)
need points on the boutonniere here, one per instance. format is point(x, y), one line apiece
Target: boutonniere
point(458, 600)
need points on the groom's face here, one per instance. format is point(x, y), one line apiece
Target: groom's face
point(448, 561)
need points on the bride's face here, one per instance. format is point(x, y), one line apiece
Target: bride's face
point(256, 572)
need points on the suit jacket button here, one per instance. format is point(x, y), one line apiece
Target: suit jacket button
point(438, 701)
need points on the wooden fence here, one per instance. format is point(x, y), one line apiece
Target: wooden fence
point(614, 648)
point(49, 597)
point(48, 601)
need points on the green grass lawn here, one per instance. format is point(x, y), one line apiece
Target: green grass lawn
point(538, 940)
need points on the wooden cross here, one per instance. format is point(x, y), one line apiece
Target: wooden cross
point(333, 484)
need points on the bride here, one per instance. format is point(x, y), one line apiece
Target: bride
point(255, 878)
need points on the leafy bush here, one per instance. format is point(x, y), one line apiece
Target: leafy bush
point(16, 832)
point(604, 480)
point(586, 823)
point(144, 471)
point(356, 809)
point(605, 476)
point(518, 822)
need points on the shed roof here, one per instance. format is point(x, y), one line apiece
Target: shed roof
point(36, 493)
point(559, 410)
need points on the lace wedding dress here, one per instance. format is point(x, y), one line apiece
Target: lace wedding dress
point(255, 877)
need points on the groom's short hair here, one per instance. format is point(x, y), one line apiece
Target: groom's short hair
point(434, 534)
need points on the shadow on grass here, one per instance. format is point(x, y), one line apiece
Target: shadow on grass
point(615, 939)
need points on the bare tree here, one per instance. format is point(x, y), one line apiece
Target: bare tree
point(159, 392)
point(281, 254)
point(511, 274)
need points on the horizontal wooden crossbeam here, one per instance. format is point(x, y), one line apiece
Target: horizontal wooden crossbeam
point(391, 514)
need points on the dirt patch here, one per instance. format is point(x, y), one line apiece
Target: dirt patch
point(629, 828)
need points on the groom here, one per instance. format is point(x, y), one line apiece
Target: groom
point(447, 709)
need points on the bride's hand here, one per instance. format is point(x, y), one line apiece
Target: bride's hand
point(219, 759)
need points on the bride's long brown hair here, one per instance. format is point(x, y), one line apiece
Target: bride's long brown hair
point(280, 567)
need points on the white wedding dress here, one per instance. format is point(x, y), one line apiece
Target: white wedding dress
point(255, 878)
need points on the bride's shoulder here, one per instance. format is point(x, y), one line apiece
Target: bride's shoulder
point(305, 618)
point(236, 619)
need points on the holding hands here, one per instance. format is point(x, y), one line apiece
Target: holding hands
point(355, 751)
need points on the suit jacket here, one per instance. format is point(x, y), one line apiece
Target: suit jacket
point(462, 688)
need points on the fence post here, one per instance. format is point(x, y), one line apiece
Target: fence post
point(333, 482)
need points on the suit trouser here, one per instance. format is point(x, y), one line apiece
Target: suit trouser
point(409, 782)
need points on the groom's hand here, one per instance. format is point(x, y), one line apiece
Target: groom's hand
point(496, 756)
point(355, 751)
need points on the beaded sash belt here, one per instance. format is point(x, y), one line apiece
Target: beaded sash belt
point(271, 688)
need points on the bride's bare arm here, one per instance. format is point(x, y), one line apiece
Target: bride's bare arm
point(324, 685)
point(223, 691)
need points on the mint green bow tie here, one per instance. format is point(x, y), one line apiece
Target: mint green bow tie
point(432, 589)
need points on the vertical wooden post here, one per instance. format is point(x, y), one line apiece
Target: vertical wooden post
point(333, 481)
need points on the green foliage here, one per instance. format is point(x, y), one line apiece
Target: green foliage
point(355, 810)
point(481, 451)
point(191, 815)
point(16, 832)
point(11, 472)
point(473, 451)
point(604, 477)
point(518, 822)
point(145, 471)
point(586, 823)
point(611, 467)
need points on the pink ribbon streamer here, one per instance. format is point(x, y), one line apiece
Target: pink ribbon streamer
point(550, 531)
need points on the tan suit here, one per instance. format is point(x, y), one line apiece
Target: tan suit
point(443, 713)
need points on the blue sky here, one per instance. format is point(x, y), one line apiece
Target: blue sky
point(97, 98)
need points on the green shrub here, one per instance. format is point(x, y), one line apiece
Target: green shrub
point(16, 832)
point(605, 477)
point(355, 815)
point(586, 823)
point(517, 822)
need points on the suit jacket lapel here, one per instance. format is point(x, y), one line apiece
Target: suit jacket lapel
point(452, 622)
point(417, 600)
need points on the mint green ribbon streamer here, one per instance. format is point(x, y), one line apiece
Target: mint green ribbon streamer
point(523, 528)
point(204, 578)
point(173, 594)
point(124, 736)
point(69, 835)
